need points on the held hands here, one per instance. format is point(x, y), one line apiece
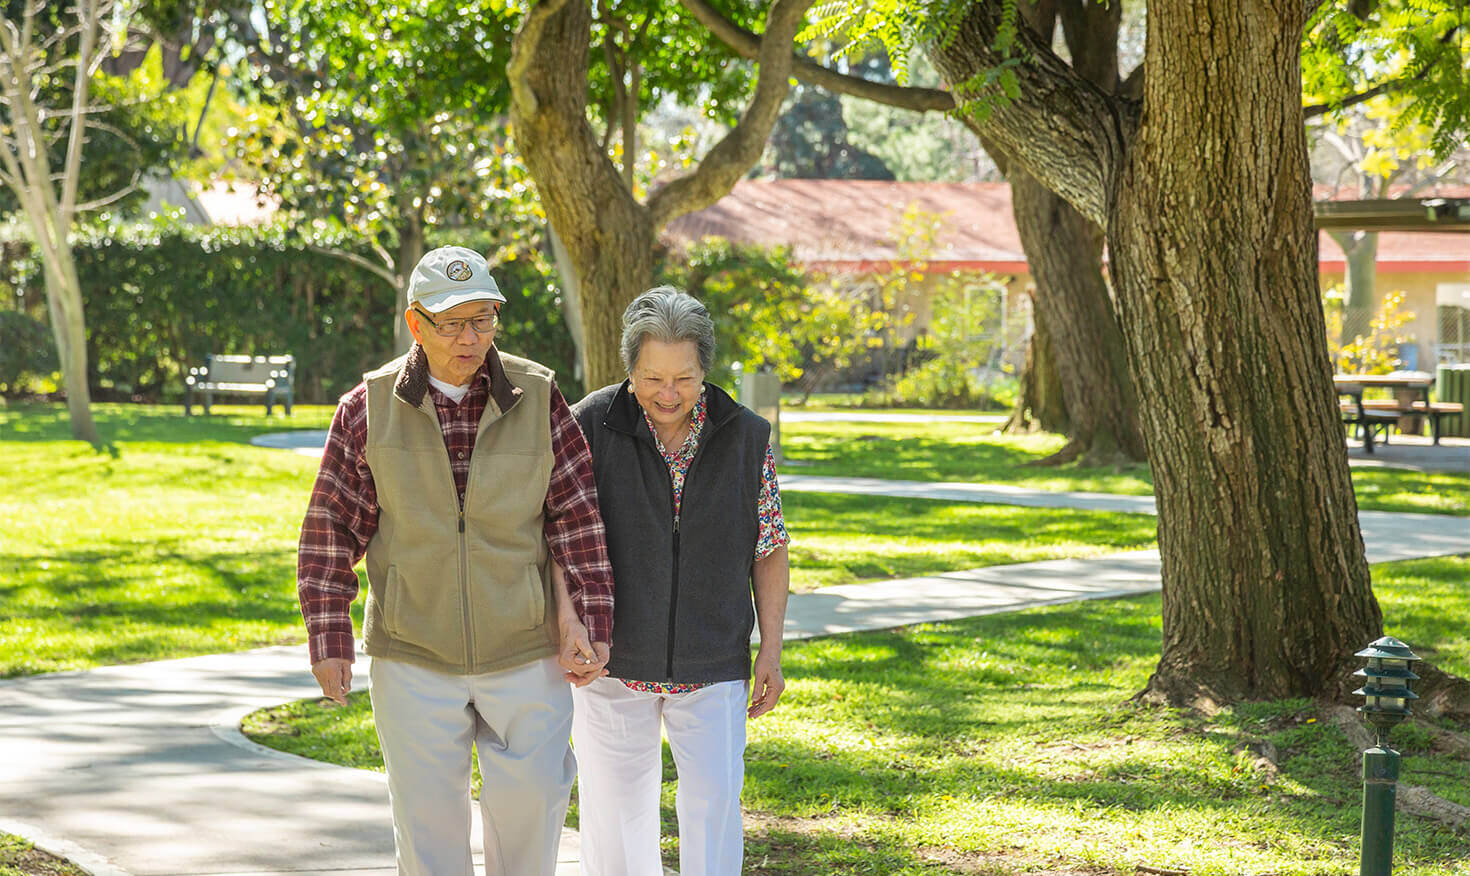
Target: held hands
point(334, 674)
point(767, 684)
point(583, 661)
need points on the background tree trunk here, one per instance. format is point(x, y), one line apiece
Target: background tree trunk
point(1039, 402)
point(410, 249)
point(1266, 588)
point(1360, 273)
point(64, 303)
point(1064, 252)
point(1082, 347)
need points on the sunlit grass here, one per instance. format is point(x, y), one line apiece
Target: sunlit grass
point(1007, 744)
point(973, 453)
point(182, 539)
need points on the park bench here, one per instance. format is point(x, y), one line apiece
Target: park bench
point(273, 377)
point(1375, 417)
point(1434, 412)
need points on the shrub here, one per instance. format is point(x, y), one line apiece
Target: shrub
point(160, 296)
point(27, 351)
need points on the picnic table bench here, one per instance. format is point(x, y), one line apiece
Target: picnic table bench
point(273, 377)
point(1376, 416)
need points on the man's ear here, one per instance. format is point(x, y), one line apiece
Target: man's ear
point(412, 318)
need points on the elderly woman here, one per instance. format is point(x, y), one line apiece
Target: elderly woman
point(687, 487)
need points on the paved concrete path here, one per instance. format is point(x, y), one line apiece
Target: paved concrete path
point(141, 769)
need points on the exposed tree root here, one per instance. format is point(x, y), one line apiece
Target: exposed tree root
point(1412, 799)
point(1441, 695)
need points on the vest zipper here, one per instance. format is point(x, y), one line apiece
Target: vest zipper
point(673, 597)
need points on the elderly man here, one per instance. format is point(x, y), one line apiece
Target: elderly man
point(459, 472)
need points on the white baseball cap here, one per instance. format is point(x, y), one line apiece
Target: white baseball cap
point(450, 276)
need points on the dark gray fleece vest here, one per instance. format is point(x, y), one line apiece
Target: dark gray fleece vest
point(682, 610)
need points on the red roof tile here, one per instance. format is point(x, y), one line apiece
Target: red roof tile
point(852, 225)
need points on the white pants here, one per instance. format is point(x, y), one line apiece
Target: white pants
point(619, 755)
point(519, 720)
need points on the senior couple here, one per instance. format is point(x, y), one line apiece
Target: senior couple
point(538, 571)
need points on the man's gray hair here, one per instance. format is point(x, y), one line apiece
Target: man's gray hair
point(669, 315)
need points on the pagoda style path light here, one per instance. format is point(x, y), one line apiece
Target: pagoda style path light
point(1386, 703)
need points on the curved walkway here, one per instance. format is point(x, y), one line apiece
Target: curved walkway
point(142, 770)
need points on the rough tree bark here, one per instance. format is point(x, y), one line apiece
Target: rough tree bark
point(1205, 194)
point(608, 235)
point(1064, 252)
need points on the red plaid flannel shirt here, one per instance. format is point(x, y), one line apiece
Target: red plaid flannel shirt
point(343, 515)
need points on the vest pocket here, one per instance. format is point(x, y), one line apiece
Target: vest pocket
point(536, 603)
point(425, 615)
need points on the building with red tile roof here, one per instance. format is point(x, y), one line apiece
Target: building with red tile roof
point(852, 226)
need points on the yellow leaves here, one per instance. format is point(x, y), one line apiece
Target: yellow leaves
point(1379, 163)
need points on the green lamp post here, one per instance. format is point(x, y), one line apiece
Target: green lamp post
point(1386, 703)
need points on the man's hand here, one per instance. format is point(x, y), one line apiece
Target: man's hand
point(583, 661)
point(334, 674)
point(767, 685)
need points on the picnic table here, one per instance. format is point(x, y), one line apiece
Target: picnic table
point(1411, 401)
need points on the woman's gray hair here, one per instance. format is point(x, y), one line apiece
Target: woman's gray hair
point(669, 315)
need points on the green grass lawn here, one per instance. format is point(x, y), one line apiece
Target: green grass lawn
point(19, 858)
point(971, 452)
point(1007, 744)
point(182, 539)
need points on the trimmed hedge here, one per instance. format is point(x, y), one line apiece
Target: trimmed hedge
point(159, 297)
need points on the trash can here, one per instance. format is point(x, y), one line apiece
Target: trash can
point(761, 392)
point(1452, 384)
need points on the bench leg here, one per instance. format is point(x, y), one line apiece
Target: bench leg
point(188, 397)
point(1434, 428)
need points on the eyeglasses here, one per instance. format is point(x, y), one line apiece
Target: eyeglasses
point(451, 328)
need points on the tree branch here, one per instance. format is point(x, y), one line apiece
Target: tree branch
point(89, 17)
point(1392, 85)
point(747, 45)
point(98, 203)
point(523, 48)
point(1065, 131)
point(718, 172)
point(354, 258)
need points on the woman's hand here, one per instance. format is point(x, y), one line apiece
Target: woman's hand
point(767, 684)
point(583, 661)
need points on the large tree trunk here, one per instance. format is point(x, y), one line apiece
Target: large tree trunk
point(1064, 252)
point(1266, 588)
point(608, 235)
point(1205, 194)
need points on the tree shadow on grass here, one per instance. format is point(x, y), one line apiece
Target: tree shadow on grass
point(1032, 708)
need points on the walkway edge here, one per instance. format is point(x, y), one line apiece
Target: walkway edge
point(92, 863)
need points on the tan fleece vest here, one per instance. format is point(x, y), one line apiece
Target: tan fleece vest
point(460, 593)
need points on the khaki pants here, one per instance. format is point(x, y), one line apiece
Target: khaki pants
point(519, 720)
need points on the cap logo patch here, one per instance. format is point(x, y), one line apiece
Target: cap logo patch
point(458, 270)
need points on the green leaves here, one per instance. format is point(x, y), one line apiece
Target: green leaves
point(1419, 49)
